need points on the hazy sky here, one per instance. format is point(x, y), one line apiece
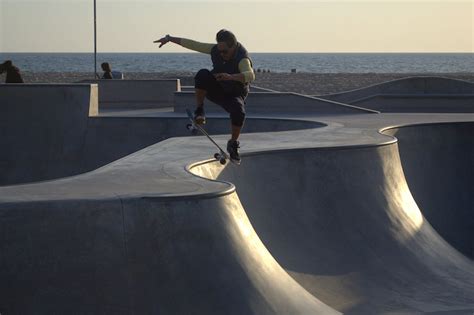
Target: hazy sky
point(262, 26)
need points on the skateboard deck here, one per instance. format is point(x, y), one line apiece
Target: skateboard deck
point(221, 156)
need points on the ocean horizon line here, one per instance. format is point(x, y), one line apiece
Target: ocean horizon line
point(259, 52)
point(276, 62)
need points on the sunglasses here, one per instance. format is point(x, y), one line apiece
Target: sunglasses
point(225, 51)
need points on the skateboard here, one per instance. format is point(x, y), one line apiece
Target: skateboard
point(221, 156)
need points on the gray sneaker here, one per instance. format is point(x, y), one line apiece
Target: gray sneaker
point(233, 149)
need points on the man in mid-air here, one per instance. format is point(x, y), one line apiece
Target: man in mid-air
point(227, 84)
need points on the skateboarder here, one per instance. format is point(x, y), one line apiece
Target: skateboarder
point(227, 84)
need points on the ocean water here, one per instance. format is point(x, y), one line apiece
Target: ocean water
point(275, 62)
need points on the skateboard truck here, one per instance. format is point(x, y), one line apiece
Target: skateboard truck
point(220, 156)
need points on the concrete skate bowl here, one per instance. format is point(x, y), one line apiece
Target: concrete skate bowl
point(438, 163)
point(51, 147)
point(412, 95)
point(344, 224)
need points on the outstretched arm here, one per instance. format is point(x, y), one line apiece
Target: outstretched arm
point(186, 43)
point(167, 39)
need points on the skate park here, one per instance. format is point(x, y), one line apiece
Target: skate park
point(356, 203)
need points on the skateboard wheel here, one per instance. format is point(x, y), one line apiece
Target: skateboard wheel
point(217, 156)
point(222, 161)
point(191, 128)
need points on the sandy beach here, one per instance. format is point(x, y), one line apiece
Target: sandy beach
point(305, 83)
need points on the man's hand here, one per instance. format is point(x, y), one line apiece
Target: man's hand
point(163, 40)
point(223, 77)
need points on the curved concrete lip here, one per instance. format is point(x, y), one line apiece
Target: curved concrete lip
point(161, 170)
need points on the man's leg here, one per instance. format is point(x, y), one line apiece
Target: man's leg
point(200, 96)
point(235, 132)
point(235, 106)
point(237, 116)
point(204, 83)
point(199, 115)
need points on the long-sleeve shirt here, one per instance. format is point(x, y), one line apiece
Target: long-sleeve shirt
point(245, 66)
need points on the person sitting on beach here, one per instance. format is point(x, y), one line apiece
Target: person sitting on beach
point(227, 84)
point(109, 74)
point(13, 73)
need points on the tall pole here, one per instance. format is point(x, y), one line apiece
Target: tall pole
point(95, 40)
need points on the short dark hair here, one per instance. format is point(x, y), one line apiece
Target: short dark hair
point(105, 66)
point(5, 66)
point(7, 63)
point(227, 37)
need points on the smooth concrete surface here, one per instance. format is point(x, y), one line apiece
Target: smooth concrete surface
point(275, 103)
point(332, 217)
point(43, 126)
point(413, 95)
point(55, 100)
point(438, 163)
point(344, 224)
point(421, 85)
point(136, 94)
point(419, 104)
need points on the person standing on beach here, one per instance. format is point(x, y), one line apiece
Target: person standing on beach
point(227, 84)
point(107, 71)
point(109, 74)
point(13, 73)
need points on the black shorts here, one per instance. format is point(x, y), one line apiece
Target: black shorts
point(231, 100)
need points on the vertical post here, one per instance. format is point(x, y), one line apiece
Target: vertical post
point(95, 40)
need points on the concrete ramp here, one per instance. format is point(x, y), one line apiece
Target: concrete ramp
point(437, 161)
point(344, 224)
point(141, 256)
point(412, 95)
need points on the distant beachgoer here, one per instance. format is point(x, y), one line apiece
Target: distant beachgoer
point(109, 74)
point(227, 84)
point(13, 73)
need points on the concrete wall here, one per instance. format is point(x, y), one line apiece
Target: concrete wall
point(253, 88)
point(136, 93)
point(54, 99)
point(274, 102)
point(418, 103)
point(412, 86)
point(415, 94)
point(437, 161)
point(46, 132)
point(42, 125)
